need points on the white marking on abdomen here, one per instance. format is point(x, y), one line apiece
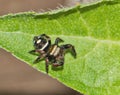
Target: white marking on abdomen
point(56, 51)
point(44, 46)
point(54, 48)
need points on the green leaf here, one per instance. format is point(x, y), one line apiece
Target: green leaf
point(92, 29)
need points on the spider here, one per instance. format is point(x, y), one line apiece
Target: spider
point(51, 53)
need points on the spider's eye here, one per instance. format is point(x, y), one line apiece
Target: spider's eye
point(38, 41)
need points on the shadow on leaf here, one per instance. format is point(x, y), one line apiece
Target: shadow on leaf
point(57, 68)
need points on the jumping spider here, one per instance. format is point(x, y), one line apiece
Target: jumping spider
point(52, 53)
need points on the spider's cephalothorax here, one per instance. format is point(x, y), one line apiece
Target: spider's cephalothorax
point(52, 53)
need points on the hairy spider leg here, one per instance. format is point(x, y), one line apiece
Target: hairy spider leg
point(59, 61)
point(41, 56)
point(46, 65)
point(69, 47)
point(58, 40)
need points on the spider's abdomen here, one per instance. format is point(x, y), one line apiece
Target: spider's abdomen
point(54, 50)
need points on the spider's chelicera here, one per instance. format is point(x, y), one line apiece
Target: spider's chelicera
point(52, 53)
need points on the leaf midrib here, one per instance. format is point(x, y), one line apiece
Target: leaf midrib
point(108, 41)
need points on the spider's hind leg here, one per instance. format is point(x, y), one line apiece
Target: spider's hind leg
point(70, 48)
point(59, 61)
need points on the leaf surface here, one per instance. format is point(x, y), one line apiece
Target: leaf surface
point(92, 29)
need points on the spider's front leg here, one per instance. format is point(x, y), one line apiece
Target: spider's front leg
point(32, 51)
point(41, 55)
point(46, 65)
